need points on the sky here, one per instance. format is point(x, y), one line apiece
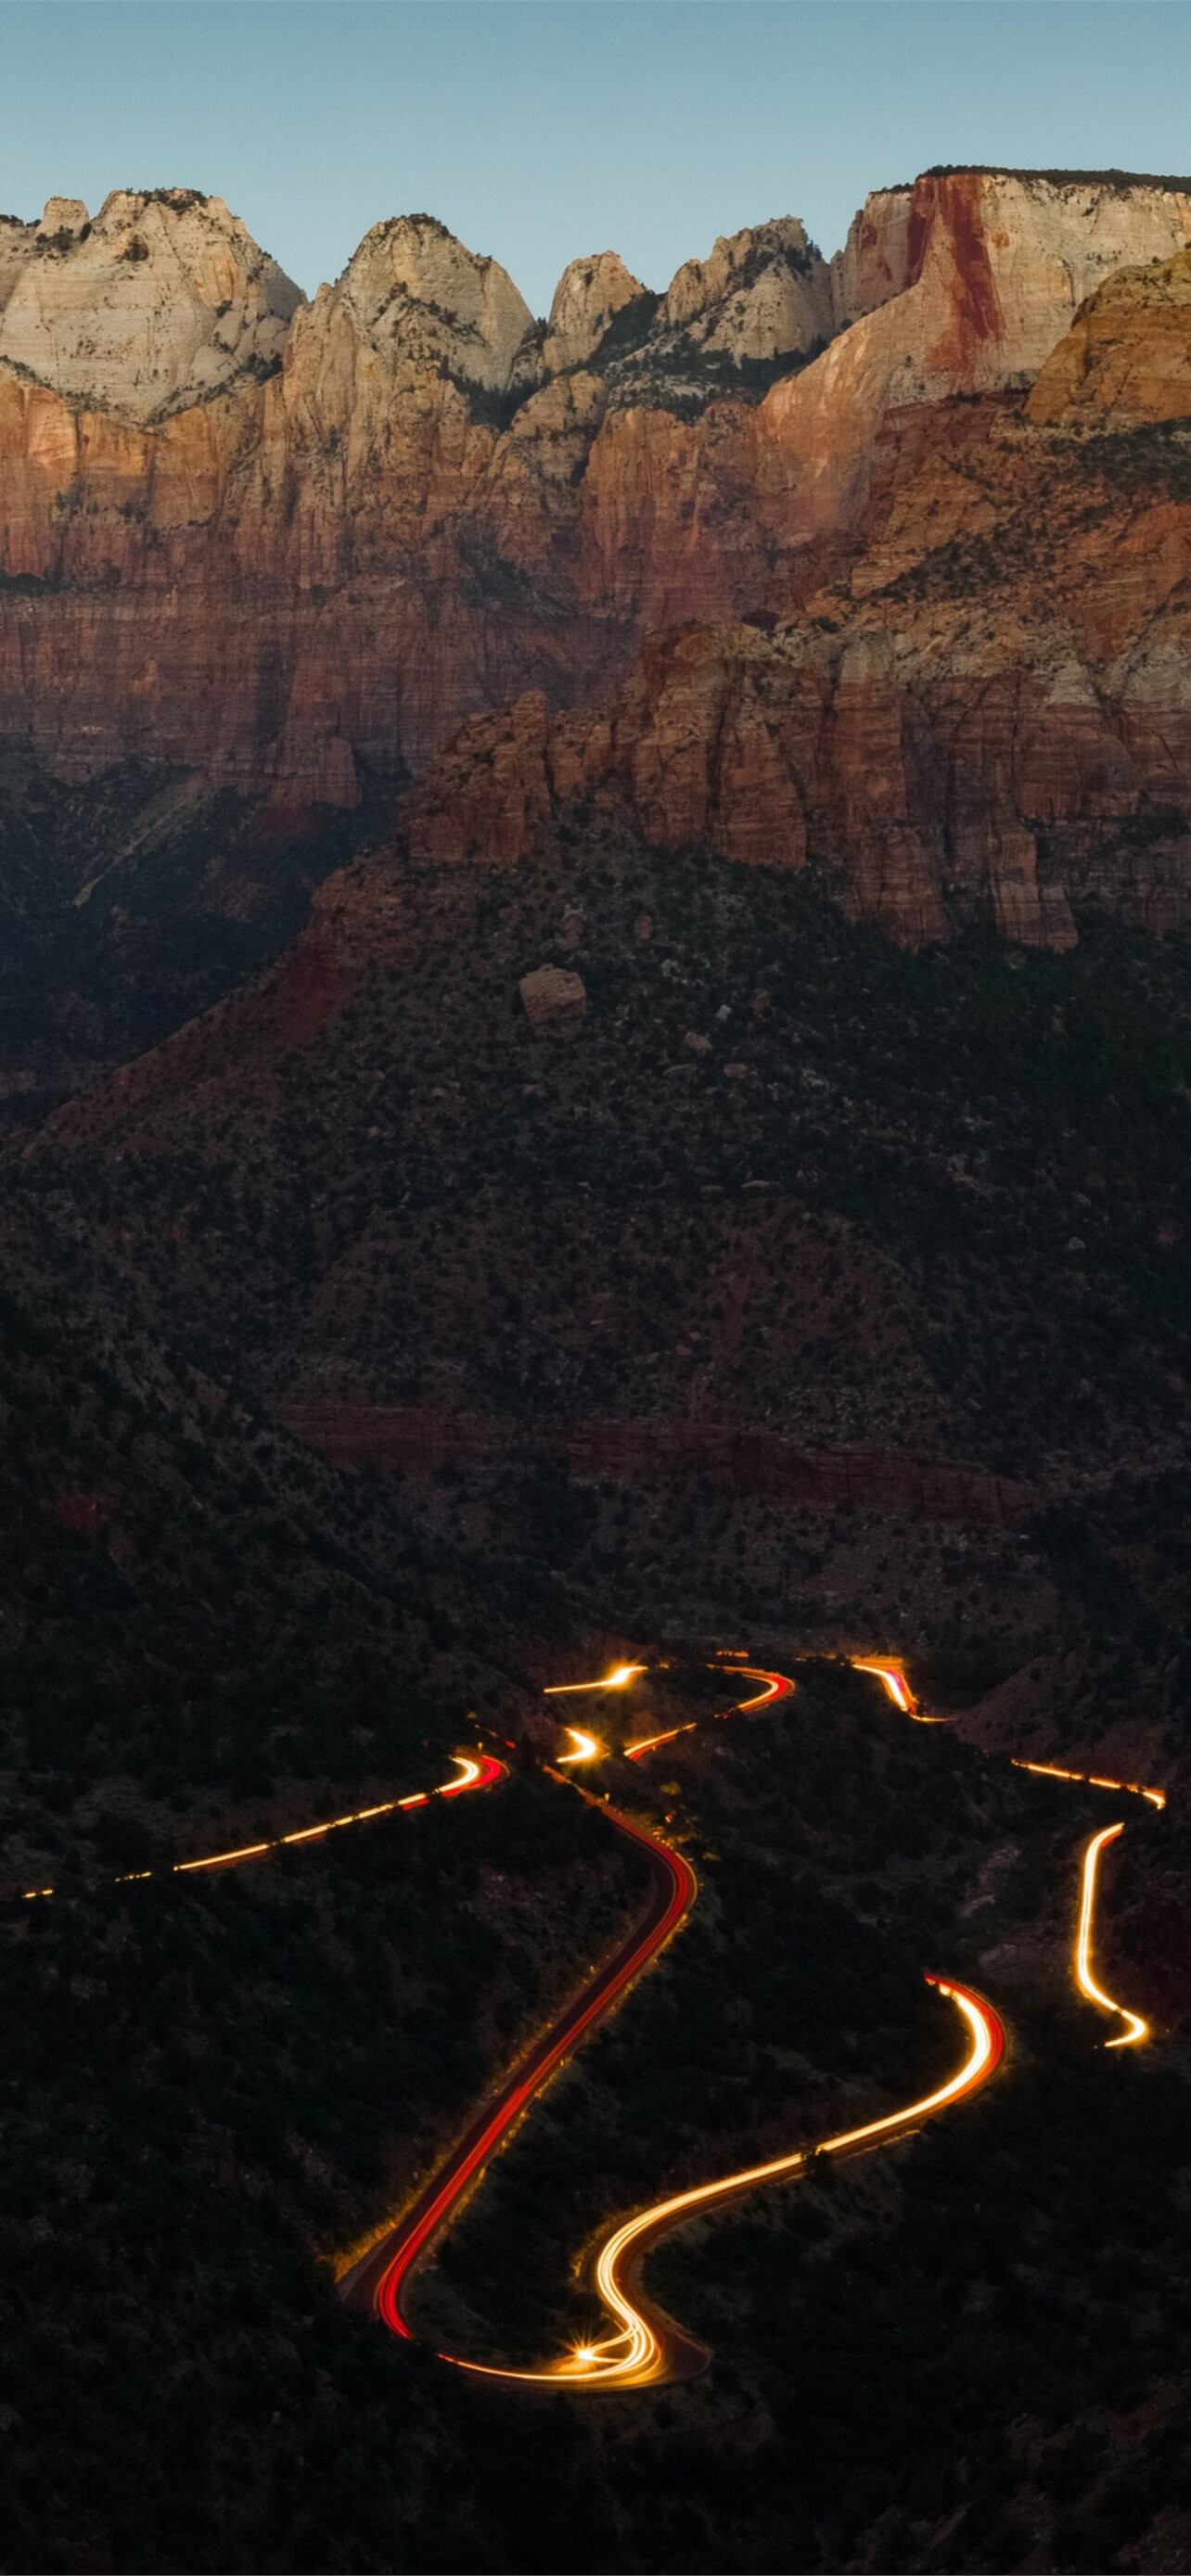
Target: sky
point(542, 129)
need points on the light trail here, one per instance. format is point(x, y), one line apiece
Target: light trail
point(636, 2355)
point(615, 1680)
point(777, 1686)
point(379, 2279)
point(646, 1743)
point(893, 1675)
point(894, 1679)
point(587, 1747)
point(1137, 2028)
point(1090, 1780)
point(645, 2349)
point(474, 1771)
point(899, 1691)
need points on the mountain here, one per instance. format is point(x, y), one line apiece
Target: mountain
point(265, 563)
point(595, 1037)
point(979, 714)
point(293, 545)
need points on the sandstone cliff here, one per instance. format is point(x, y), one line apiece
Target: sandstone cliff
point(960, 285)
point(158, 302)
point(296, 575)
point(1127, 359)
point(986, 718)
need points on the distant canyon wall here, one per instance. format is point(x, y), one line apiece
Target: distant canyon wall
point(839, 565)
point(288, 542)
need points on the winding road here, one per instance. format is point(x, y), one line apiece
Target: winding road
point(474, 1771)
point(378, 2280)
point(645, 2347)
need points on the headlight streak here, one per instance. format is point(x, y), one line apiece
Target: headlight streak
point(893, 1678)
point(636, 2355)
point(615, 1680)
point(898, 1688)
point(378, 2280)
point(1137, 2029)
point(777, 1686)
point(475, 1771)
point(1090, 1780)
point(647, 1743)
point(587, 1747)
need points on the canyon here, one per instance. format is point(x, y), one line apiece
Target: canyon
point(595, 1064)
point(793, 558)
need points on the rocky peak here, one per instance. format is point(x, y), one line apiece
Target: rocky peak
point(753, 310)
point(422, 300)
point(874, 262)
point(1021, 248)
point(591, 296)
point(1126, 361)
point(762, 293)
point(160, 300)
point(960, 285)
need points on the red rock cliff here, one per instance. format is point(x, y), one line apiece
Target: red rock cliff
point(308, 541)
point(987, 718)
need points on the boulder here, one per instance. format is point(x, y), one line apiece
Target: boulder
point(552, 996)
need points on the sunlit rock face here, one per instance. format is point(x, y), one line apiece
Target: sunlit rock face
point(298, 545)
point(760, 302)
point(762, 293)
point(1126, 362)
point(960, 285)
point(425, 304)
point(980, 714)
point(160, 300)
point(591, 296)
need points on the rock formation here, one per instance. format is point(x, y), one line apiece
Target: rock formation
point(159, 302)
point(961, 285)
point(426, 305)
point(296, 546)
point(552, 997)
point(760, 304)
point(985, 718)
point(1127, 359)
point(591, 296)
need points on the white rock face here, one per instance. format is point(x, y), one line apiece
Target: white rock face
point(14, 244)
point(420, 299)
point(763, 293)
point(589, 295)
point(1023, 251)
point(874, 262)
point(992, 268)
point(160, 301)
point(1051, 245)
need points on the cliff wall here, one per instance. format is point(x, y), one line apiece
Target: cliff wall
point(295, 545)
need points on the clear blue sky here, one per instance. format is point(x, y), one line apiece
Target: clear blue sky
point(538, 129)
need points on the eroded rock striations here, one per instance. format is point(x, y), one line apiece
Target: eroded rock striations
point(984, 716)
point(296, 546)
